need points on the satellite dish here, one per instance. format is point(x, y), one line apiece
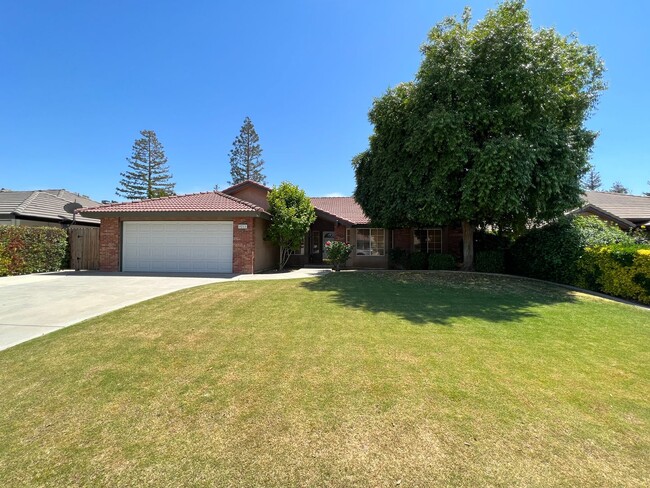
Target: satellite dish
point(71, 207)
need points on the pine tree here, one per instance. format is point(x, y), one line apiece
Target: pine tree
point(591, 181)
point(647, 193)
point(246, 161)
point(618, 187)
point(148, 174)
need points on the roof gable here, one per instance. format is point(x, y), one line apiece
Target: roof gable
point(194, 202)
point(345, 209)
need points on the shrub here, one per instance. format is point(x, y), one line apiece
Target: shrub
point(548, 253)
point(398, 259)
point(619, 270)
point(338, 253)
point(490, 261)
point(553, 252)
point(418, 260)
point(595, 232)
point(442, 261)
point(26, 250)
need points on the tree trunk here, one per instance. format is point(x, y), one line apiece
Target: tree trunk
point(281, 263)
point(468, 246)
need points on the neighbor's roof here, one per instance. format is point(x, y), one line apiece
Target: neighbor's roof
point(629, 207)
point(345, 209)
point(43, 204)
point(213, 201)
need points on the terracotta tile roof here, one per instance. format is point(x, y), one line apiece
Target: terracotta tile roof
point(343, 208)
point(213, 201)
point(629, 207)
point(235, 187)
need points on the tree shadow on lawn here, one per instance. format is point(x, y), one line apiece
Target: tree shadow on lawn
point(440, 298)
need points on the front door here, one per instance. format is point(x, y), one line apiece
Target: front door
point(327, 236)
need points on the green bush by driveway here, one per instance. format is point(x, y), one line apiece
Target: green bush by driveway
point(25, 250)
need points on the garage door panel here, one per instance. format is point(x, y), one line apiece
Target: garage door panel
point(177, 247)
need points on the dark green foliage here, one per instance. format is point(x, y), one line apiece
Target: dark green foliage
point(25, 250)
point(548, 253)
point(492, 129)
point(148, 175)
point(418, 260)
point(442, 261)
point(490, 261)
point(246, 161)
point(554, 251)
point(398, 258)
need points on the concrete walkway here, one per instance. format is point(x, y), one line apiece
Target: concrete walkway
point(33, 305)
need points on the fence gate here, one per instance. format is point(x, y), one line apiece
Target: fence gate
point(84, 247)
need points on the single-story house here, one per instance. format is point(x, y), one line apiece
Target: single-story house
point(44, 208)
point(626, 211)
point(223, 232)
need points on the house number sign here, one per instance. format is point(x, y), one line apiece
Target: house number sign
point(242, 226)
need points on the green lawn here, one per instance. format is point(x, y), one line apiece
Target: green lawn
point(355, 379)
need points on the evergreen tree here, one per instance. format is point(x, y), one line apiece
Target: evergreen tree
point(647, 193)
point(246, 161)
point(591, 181)
point(148, 174)
point(618, 187)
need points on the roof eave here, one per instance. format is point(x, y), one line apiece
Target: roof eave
point(178, 214)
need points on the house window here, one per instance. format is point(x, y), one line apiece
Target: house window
point(301, 251)
point(370, 242)
point(433, 238)
point(347, 235)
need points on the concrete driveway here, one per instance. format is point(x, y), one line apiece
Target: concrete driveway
point(33, 305)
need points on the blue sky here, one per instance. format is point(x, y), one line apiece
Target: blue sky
point(81, 79)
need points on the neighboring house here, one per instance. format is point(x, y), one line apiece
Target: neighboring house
point(44, 208)
point(224, 232)
point(626, 211)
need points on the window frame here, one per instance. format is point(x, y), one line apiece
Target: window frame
point(381, 250)
point(428, 240)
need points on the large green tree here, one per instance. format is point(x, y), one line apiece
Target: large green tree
point(148, 174)
point(292, 214)
point(491, 131)
point(246, 161)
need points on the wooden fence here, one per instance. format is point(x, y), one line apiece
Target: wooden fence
point(84, 247)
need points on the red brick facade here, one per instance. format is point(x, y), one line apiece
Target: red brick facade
point(243, 257)
point(109, 244)
point(243, 245)
point(339, 233)
point(403, 239)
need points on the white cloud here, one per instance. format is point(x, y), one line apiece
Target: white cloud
point(335, 194)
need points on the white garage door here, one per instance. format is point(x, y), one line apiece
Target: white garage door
point(177, 247)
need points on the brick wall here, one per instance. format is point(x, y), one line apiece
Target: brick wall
point(243, 252)
point(339, 233)
point(403, 239)
point(109, 244)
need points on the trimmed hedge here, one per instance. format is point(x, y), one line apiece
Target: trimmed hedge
point(619, 270)
point(490, 261)
point(418, 260)
point(25, 250)
point(441, 261)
